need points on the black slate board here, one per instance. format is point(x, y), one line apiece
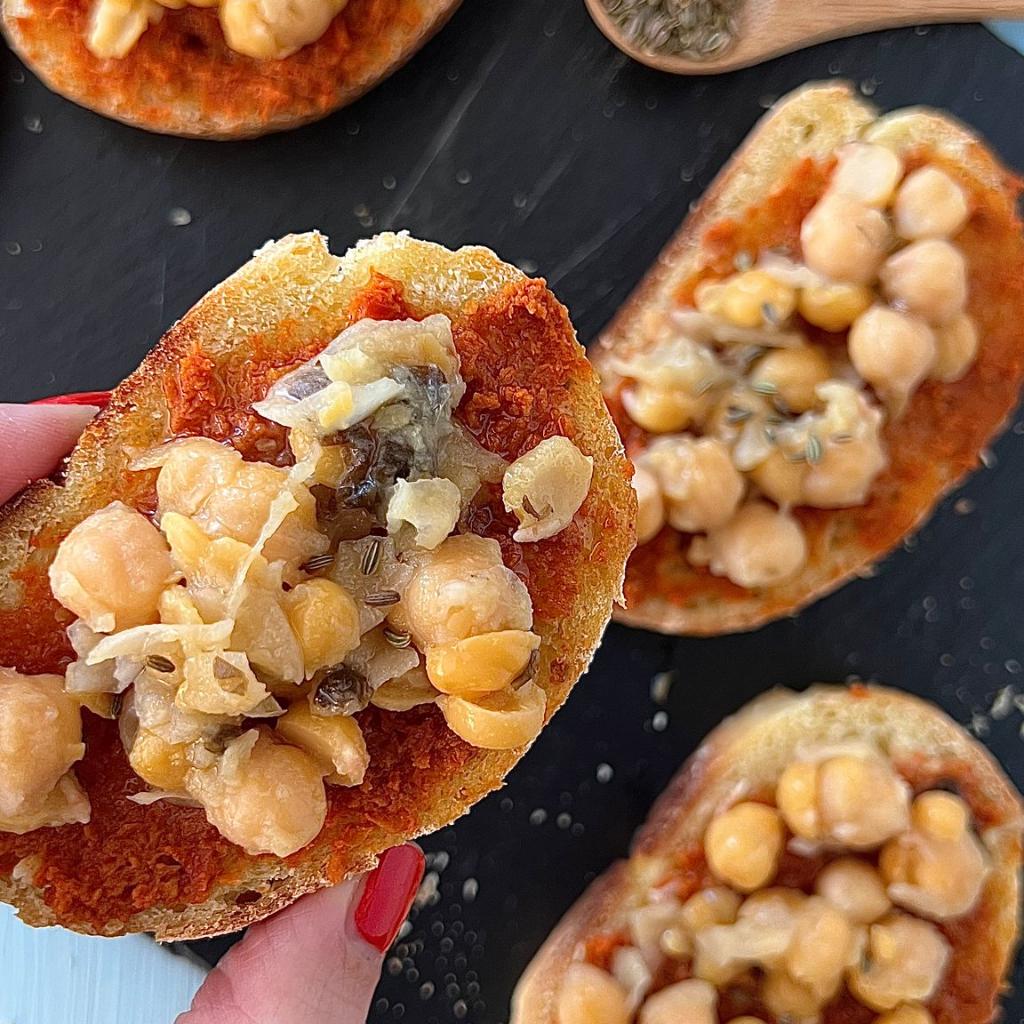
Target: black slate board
point(520, 127)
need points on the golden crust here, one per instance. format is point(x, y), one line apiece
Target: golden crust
point(945, 429)
point(292, 293)
point(183, 79)
point(746, 753)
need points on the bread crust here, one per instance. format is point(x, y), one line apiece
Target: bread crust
point(811, 123)
point(182, 78)
point(747, 752)
point(293, 293)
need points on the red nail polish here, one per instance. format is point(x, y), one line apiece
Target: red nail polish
point(388, 894)
point(100, 398)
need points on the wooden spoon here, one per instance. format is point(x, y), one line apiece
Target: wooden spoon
point(766, 28)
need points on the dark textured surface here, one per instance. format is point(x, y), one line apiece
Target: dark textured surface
point(521, 128)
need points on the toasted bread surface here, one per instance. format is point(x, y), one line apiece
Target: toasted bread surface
point(163, 868)
point(744, 756)
point(182, 78)
point(758, 201)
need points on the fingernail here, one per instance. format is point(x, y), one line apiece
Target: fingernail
point(97, 398)
point(388, 894)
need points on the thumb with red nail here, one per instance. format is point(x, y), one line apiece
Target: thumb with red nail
point(316, 962)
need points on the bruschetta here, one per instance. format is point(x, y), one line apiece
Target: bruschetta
point(217, 69)
point(309, 586)
point(823, 350)
point(840, 855)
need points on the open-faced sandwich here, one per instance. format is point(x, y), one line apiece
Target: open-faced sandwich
point(308, 587)
point(841, 856)
point(823, 350)
point(219, 69)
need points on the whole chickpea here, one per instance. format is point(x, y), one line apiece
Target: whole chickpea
point(939, 867)
point(698, 479)
point(928, 278)
point(462, 588)
point(833, 306)
point(867, 172)
point(892, 351)
point(743, 845)
point(780, 478)
point(650, 516)
point(589, 995)
point(956, 346)
point(794, 373)
point(855, 887)
point(111, 568)
point(821, 948)
point(686, 1002)
point(40, 739)
point(789, 1000)
point(844, 240)
point(904, 961)
point(759, 547)
point(930, 204)
point(663, 410)
point(272, 802)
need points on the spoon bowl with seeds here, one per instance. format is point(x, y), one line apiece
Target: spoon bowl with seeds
point(703, 37)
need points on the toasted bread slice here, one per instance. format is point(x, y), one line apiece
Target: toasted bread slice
point(182, 78)
point(163, 868)
point(746, 754)
point(766, 189)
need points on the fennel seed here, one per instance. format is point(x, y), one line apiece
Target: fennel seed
point(396, 639)
point(382, 598)
point(371, 557)
point(158, 663)
point(317, 562)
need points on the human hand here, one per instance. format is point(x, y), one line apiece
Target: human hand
point(316, 962)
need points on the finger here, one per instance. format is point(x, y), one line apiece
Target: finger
point(318, 962)
point(33, 440)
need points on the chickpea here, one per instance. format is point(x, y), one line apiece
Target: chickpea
point(429, 507)
point(480, 664)
point(845, 473)
point(497, 721)
point(325, 621)
point(906, 1013)
point(821, 947)
point(663, 410)
point(116, 25)
point(928, 279)
point(780, 478)
point(904, 961)
point(855, 888)
point(163, 765)
point(759, 547)
point(714, 905)
point(648, 923)
point(701, 485)
point(833, 306)
point(588, 995)
point(335, 742)
point(228, 497)
point(789, 1000)
point(751, 299)
point(892, 351)
point(404, 692)
point(273, 802)
point(275, 31)
point(939, 867)
point(956, 346)
point(40, 739)
point(650, 514)
point(794, 373)
point(930, 204)
point(67, 803)
point(462, 588)
point(743, 845)
point(867, 172)
point(684, 1002)
point(546, 487)
point(855, 801)
point(862, 800)
point(110, 569)
point(844, 240)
